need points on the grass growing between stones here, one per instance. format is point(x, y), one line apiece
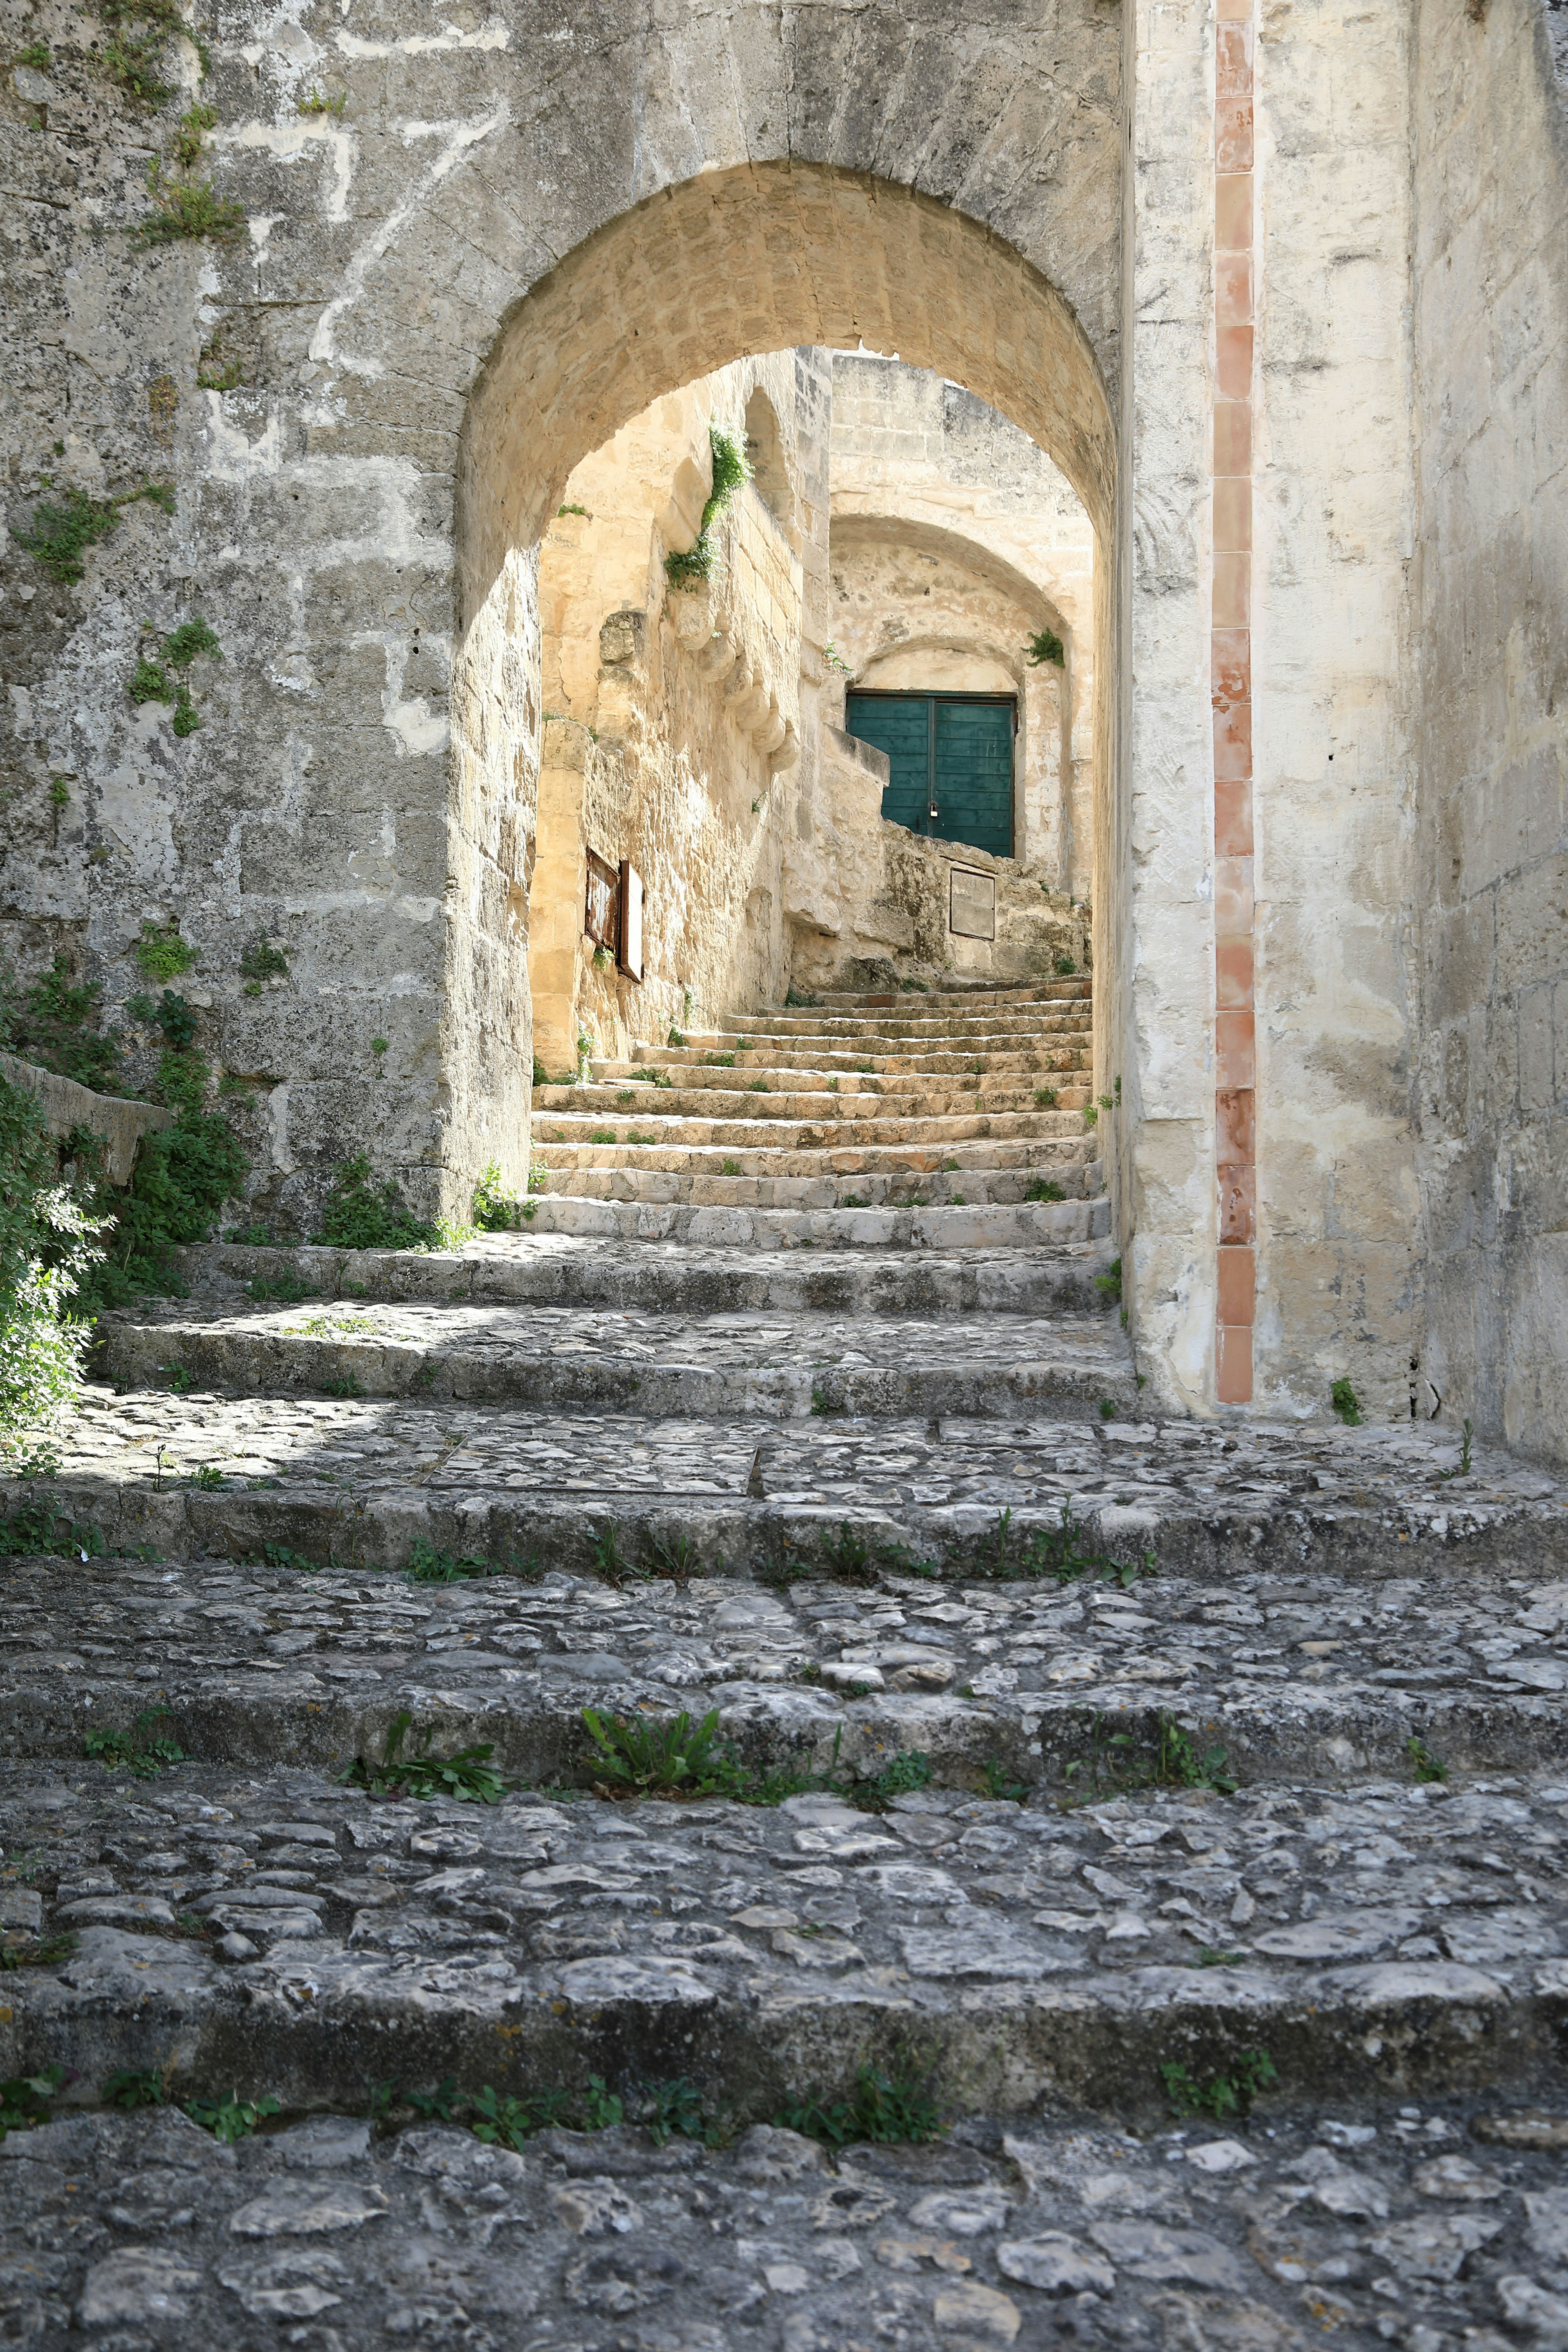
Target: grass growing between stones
point(1220, 2094)
point(1119, 1762)
point(141, 1749)
point(883, 2107)
point(25, 2099)
point(231, 2118)
point(467, 1778)
point(676, 1758)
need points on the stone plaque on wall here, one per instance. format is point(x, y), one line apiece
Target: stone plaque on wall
point(971, 905)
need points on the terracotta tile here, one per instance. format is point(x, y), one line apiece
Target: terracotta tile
point(1233, 356)
point(1233, 211)
point(1233, 743)
point(1236, 1129)
point(1233, 974)
point(1233, 60)
point(1233, 436)
point(1233, 290)
point(1237, 1205)
point(1233, 514)
point(1230, 665)
point(1232, 591)
point(1233, 823)
point(1234, 1060)
point(1232, 897)
point(1233, 1364)
point(1238, 1286)
point(1233, 134)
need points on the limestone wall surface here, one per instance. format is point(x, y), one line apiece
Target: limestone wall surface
point(365, 430)
point(672, 716)
point(979, 542)
point(1491, 1077)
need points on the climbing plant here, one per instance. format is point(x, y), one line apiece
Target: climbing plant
point(46, 1245)
point(730, 471)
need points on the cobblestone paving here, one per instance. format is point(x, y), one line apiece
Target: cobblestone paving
point(779, 1364)
point(1324, 1674)
point(752, 1490)
point(1386, 1938)
point(1427, 2227)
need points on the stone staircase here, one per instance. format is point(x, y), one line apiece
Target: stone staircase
point(989, 1654)
point(942, 1119)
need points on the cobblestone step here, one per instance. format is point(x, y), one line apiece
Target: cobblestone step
point(996, 1227)
point(672, 1277)
point(1054, 1688)
point(611, 1171)
point(718, 1365)
point(1376, 2220)
point(363, 1478)
point(1013, 1954)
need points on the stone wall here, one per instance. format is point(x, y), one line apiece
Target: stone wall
point(672, 727)
point(1491, 1079)
point(955, 540)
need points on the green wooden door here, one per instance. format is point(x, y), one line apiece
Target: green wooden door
point(950, 757)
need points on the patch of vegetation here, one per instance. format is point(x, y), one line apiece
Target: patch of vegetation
point(315, 103)
point(232, 2118)
point(261, 962)
point(25, 2099)
point(1346, 1403)
point(215, 371)
point(576, 510)
point(151, 682)
point(1252, 2071)
point(882, 2107)
point(61, 534)
point(48, 1247)
point(182, 1176)
point(1464, 1469)
point(1054, 1551)
point(45, 1952)
point(1108, 1408)
point(1422, 1763)
point(160, 953)
point(718, 1061)
point(287, 1289)
point(1211, 1957)
point(1000, 1785)
point(729, 1168)
point(140, 31)
point(468, 1777)
point(429, 1566)
point(1109, 1284)
point(142, 1748)
point(36, 55)
point(134, 2087)
point(504, 2121)
point(358, 1215)
point(494, 1212)
point(899, 1777)
point(680, 1759)
point(1066, 967)
point(437, 2106)
point(187, 209)
point(1043, 1189)
point(32, 1527)
point(730, 471)
point(1120, 1760)
point(1046, 646)
point(1045, 1098)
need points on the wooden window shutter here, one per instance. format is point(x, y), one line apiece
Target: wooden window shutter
point(629, 949)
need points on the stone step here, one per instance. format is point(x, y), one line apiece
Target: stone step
point(987, 1159)
point(286, 1936)
point(998, 1226)
point(363, 1478)
point(981, 992)
point(835, 1115)
point(606, 1171)
point(1061, 1684)
point(843, 1074)
point(653, 1364)
point(786, 1123)
point(1003, 1032)
point(1191, 2232)
point(664, 1275)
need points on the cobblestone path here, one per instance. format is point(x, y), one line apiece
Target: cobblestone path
point(1114, 1889)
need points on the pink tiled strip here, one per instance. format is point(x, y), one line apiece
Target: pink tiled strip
point(1236, 1112)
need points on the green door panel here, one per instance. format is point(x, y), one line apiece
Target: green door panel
point(968, 739)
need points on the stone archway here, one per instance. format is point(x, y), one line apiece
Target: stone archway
point(732, 262)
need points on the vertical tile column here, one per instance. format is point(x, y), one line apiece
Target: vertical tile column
point(1235, 290)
